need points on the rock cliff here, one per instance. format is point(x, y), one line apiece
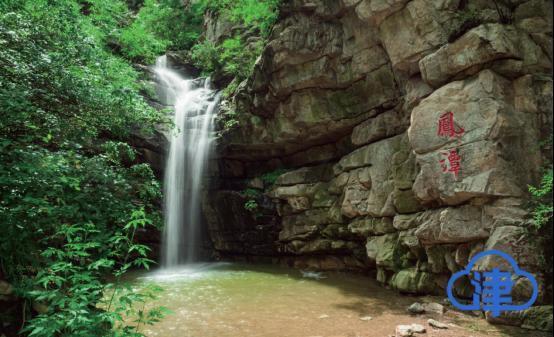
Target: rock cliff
point(389, 135)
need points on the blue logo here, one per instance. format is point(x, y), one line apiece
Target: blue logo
point(493, 289)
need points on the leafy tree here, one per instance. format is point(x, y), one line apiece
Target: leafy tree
point(72, 194)
point(161, 25)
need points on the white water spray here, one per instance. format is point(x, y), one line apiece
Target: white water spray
point(195, 106)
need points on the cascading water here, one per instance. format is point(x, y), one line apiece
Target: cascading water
point(195, 106)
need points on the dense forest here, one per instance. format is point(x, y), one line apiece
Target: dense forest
point(73, 194)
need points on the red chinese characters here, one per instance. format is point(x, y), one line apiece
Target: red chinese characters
point(448, 128)
point(453, 164)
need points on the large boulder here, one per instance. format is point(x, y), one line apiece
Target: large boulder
point(305, 175)
point(414, 282)
point(374, 196)
point(364, 227)
point(535, 18)
point(516, 242)
point(302, 197)
point(415, 31)
point(386, 251)
point(496, 138)
point(375, 11)
point(306, 224)
point(478, 47)
point(384, 125)
point(452, 225)
point(404, 173)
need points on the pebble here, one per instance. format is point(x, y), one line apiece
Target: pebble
point(416, 308)
point(434, 307)
point(418, 328)
point(323, 316)
point(437, 324)
point(313, 275)
point(366, 318)
point(404, 331)
point(409, 330)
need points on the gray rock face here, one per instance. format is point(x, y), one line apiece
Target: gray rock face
point(480, 46)
point(493, 134)
point(451, 225)
point(369, 188)
point(384, 125)
point(415, 31)
point(310, 86)
point(347, 97)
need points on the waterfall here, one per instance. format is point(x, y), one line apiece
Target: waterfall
point(190, 142)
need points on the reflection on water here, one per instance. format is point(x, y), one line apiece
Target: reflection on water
point(231, 300)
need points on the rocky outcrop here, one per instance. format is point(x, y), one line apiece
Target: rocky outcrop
point(381, 135)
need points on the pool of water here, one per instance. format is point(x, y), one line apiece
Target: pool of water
point(234, 300)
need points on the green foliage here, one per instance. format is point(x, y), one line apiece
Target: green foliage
point(71, 283)
point(251, 203)
point(251, 193)
point(206, 56)
point(541, 196)
point(228, 116)
point(238, 59)
point(232, 57)
point(235, 56)
point(161, 25)
point(253, 15)
point(138, 43)
point(257, 14)
point(60, 83)
point(231, 88)
point(271, 177)
point(169, 24)
point(71, 193)
point(542, 200)
point(231, 122)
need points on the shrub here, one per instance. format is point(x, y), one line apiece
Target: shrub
point(206, 56)
point(542, 200)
